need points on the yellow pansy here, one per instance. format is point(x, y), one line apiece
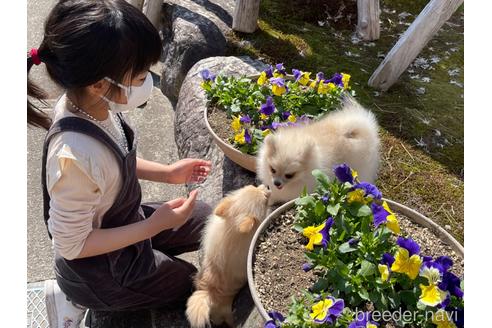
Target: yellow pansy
point(278, 90)
point(409, 265)
point(432, 295)
point(392, 222)
point(442, 319)
point(325, 87)
point(292, 118)
point(266, 132)
point(345, 80)
point(384, 271)
point(263, 116)
point(236, 124)
point(262, 79)
point(320, 309)
point(277, 74)
point(313, 84)
point(239, 138)
point(356, 196)
point(304, 79)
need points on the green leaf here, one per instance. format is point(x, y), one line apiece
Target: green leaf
point(359, 210)
point(333, 209)
point(235, 108)
point(320, 285)
point(421, 306)
point(298, 228)
point(320, 208)
point(367, 268)
point(321, 178)
point(408, 297)
point(363, 294)
point(346, 248)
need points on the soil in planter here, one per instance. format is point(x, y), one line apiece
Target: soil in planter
point(219, 122)
point(279, 258)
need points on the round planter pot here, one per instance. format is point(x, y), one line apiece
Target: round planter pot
point(397, 207)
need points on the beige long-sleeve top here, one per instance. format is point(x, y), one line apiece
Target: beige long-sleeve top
point(83, 180)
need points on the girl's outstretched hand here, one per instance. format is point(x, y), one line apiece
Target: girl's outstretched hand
point(189, 170)
point(174, 213)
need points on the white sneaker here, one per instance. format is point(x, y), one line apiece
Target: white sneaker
point(61, 312)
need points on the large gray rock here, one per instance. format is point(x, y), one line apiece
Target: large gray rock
point(191, 30)
point(193, 140)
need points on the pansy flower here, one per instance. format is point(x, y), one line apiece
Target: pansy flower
point(319, 76)
point(407, 260)
point(383, 214)
point(363, 320)
point(263, 116)
point(356, 196)
point(327, 310)
point(451, 283)
point(278, 86)
point(236, 123)
point(302, 78)
point(385, 265)
point(303, 119)
point(240, 137)
point(292, 118)
point(344, 173)
point(245, 119)
point(442, 319)
point(345, 80)
point(268, 108)
point(265, 75)
point(247, 136)
point(369, 189)
point(279, 70)
point(336, 79)
point(319, 235)
point(432, 295)
point(285, 115)
point(325, 198)
point(266, 132)
point(325, 87)
point(207, 76)
point(306, 267)
point(276, 320)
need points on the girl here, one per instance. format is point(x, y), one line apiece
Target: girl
point(111, 252)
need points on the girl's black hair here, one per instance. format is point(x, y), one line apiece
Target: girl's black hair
point(87, 40)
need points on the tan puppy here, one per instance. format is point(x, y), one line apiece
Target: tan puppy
point(287, 157)
point(225, 245)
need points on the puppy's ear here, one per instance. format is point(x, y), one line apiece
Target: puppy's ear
point(307, 150)
point(223, 207)
point(270, 145)
point(247, 224)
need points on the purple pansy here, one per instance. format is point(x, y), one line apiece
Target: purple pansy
point(353, 241)
point(361, 320)
point(325, 198)
point(306, 267)
point(445, 261)
point(411, 246)
point(369, 189)
point(303, 119)
point(379, 214)
point(388, 259)
point(336, 79)
point(297, 74)
point(269, 71)
point(285, 115)
point(452, 284)
point(281, 69)
point(343, 173)
point(207, 76)
point(269, 107)
point(320, 76)
point(326, 232)
point(245, 119)
point(247, 136)
point(276, 321)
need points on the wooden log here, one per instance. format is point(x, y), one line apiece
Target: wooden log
point(136, 3)
point(152, 9)
point(368, 19)
point(246, 16)
point(411, 43)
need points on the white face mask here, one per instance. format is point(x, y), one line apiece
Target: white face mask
point(135, 95)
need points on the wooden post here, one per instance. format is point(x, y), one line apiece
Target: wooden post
point(152, 9)
point(368, 19)
point(246, 16)
point(429, 21)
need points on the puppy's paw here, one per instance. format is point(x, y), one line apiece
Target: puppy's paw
point(247, 224)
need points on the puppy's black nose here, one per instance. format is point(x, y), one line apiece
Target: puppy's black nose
point(277, 183)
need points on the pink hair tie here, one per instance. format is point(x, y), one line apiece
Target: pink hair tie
point(34, 56)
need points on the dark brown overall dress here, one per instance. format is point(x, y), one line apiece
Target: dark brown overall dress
point(143, 275)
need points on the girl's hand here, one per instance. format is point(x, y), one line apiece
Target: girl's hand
point(174, 213)
point(189, 170)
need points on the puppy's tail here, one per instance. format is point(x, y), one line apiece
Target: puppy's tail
point(198, 309)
